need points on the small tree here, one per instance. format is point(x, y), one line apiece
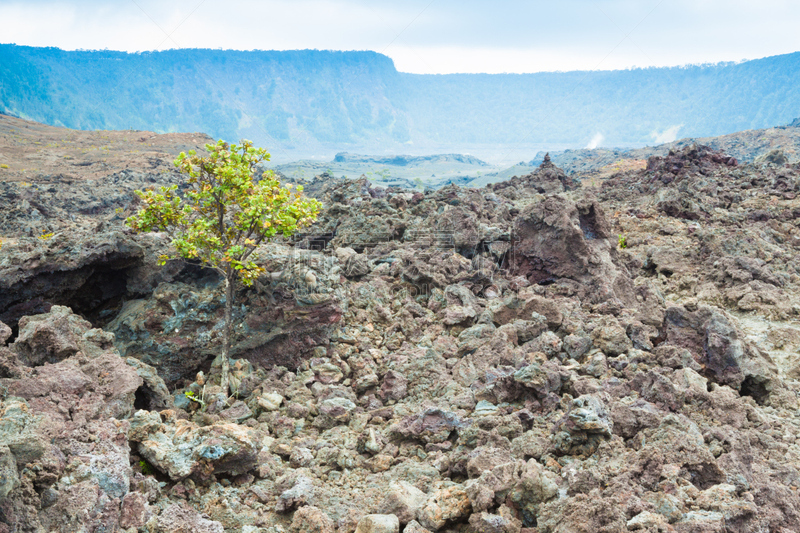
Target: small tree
point(224, 216)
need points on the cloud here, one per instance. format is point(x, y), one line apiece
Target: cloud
point(666, 136)
point(596, 140)
point(445, 36)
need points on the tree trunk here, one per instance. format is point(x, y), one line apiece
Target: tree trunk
point(226, 338)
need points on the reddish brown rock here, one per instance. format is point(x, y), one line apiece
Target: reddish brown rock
point(135, 511)
point(180, 518)
point(310, 519)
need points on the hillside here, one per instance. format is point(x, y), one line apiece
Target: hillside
point(317, 103)
point(29, 151)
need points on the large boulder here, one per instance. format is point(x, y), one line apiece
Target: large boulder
point(721, 349)
point(280, 321)
point(182, 449)
point(91, 376)
point(57, 335)
point(86, 270)
point(556, 239)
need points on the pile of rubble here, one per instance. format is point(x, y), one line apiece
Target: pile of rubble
point(533, 356)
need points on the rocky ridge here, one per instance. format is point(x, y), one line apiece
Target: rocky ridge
point(532, 356)
point(747, 146)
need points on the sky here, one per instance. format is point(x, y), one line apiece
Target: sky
point(427, 36)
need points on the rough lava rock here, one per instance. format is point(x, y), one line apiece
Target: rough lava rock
point(530, 356)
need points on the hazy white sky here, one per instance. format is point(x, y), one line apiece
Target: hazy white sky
point(427, 36)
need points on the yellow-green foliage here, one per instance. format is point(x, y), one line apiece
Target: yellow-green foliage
point(146, 468)
point(190, 395)
point(45, 236)
point(226, 213)
point(622, 240)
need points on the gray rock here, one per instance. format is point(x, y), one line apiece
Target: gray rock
point(528, 330)
point(184, 449)
point(301, 457)
point(647, 521)
point(430, 426)
point(9, 480)
point(180, 518)
point(238, 412)
point(19, 431)
point(611, 338)
point(535, 487)
point(543, 379)
point(378, 523)
point(180, 401)
point(415, 527)
point(775, 157)
point(57, 335)
point(5, 333)
point(492, 523)
point(596, 365)
point(394, 387)
point(548, 343)
point(402, 501)
point(589, 414)
point(667, 505)
point(334, 411)
point(577, 345)
point(300, 494)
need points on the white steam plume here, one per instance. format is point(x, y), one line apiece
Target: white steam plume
point(666, 136)
point(596, 140)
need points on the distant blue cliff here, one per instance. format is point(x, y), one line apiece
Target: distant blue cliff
point(307, 100)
